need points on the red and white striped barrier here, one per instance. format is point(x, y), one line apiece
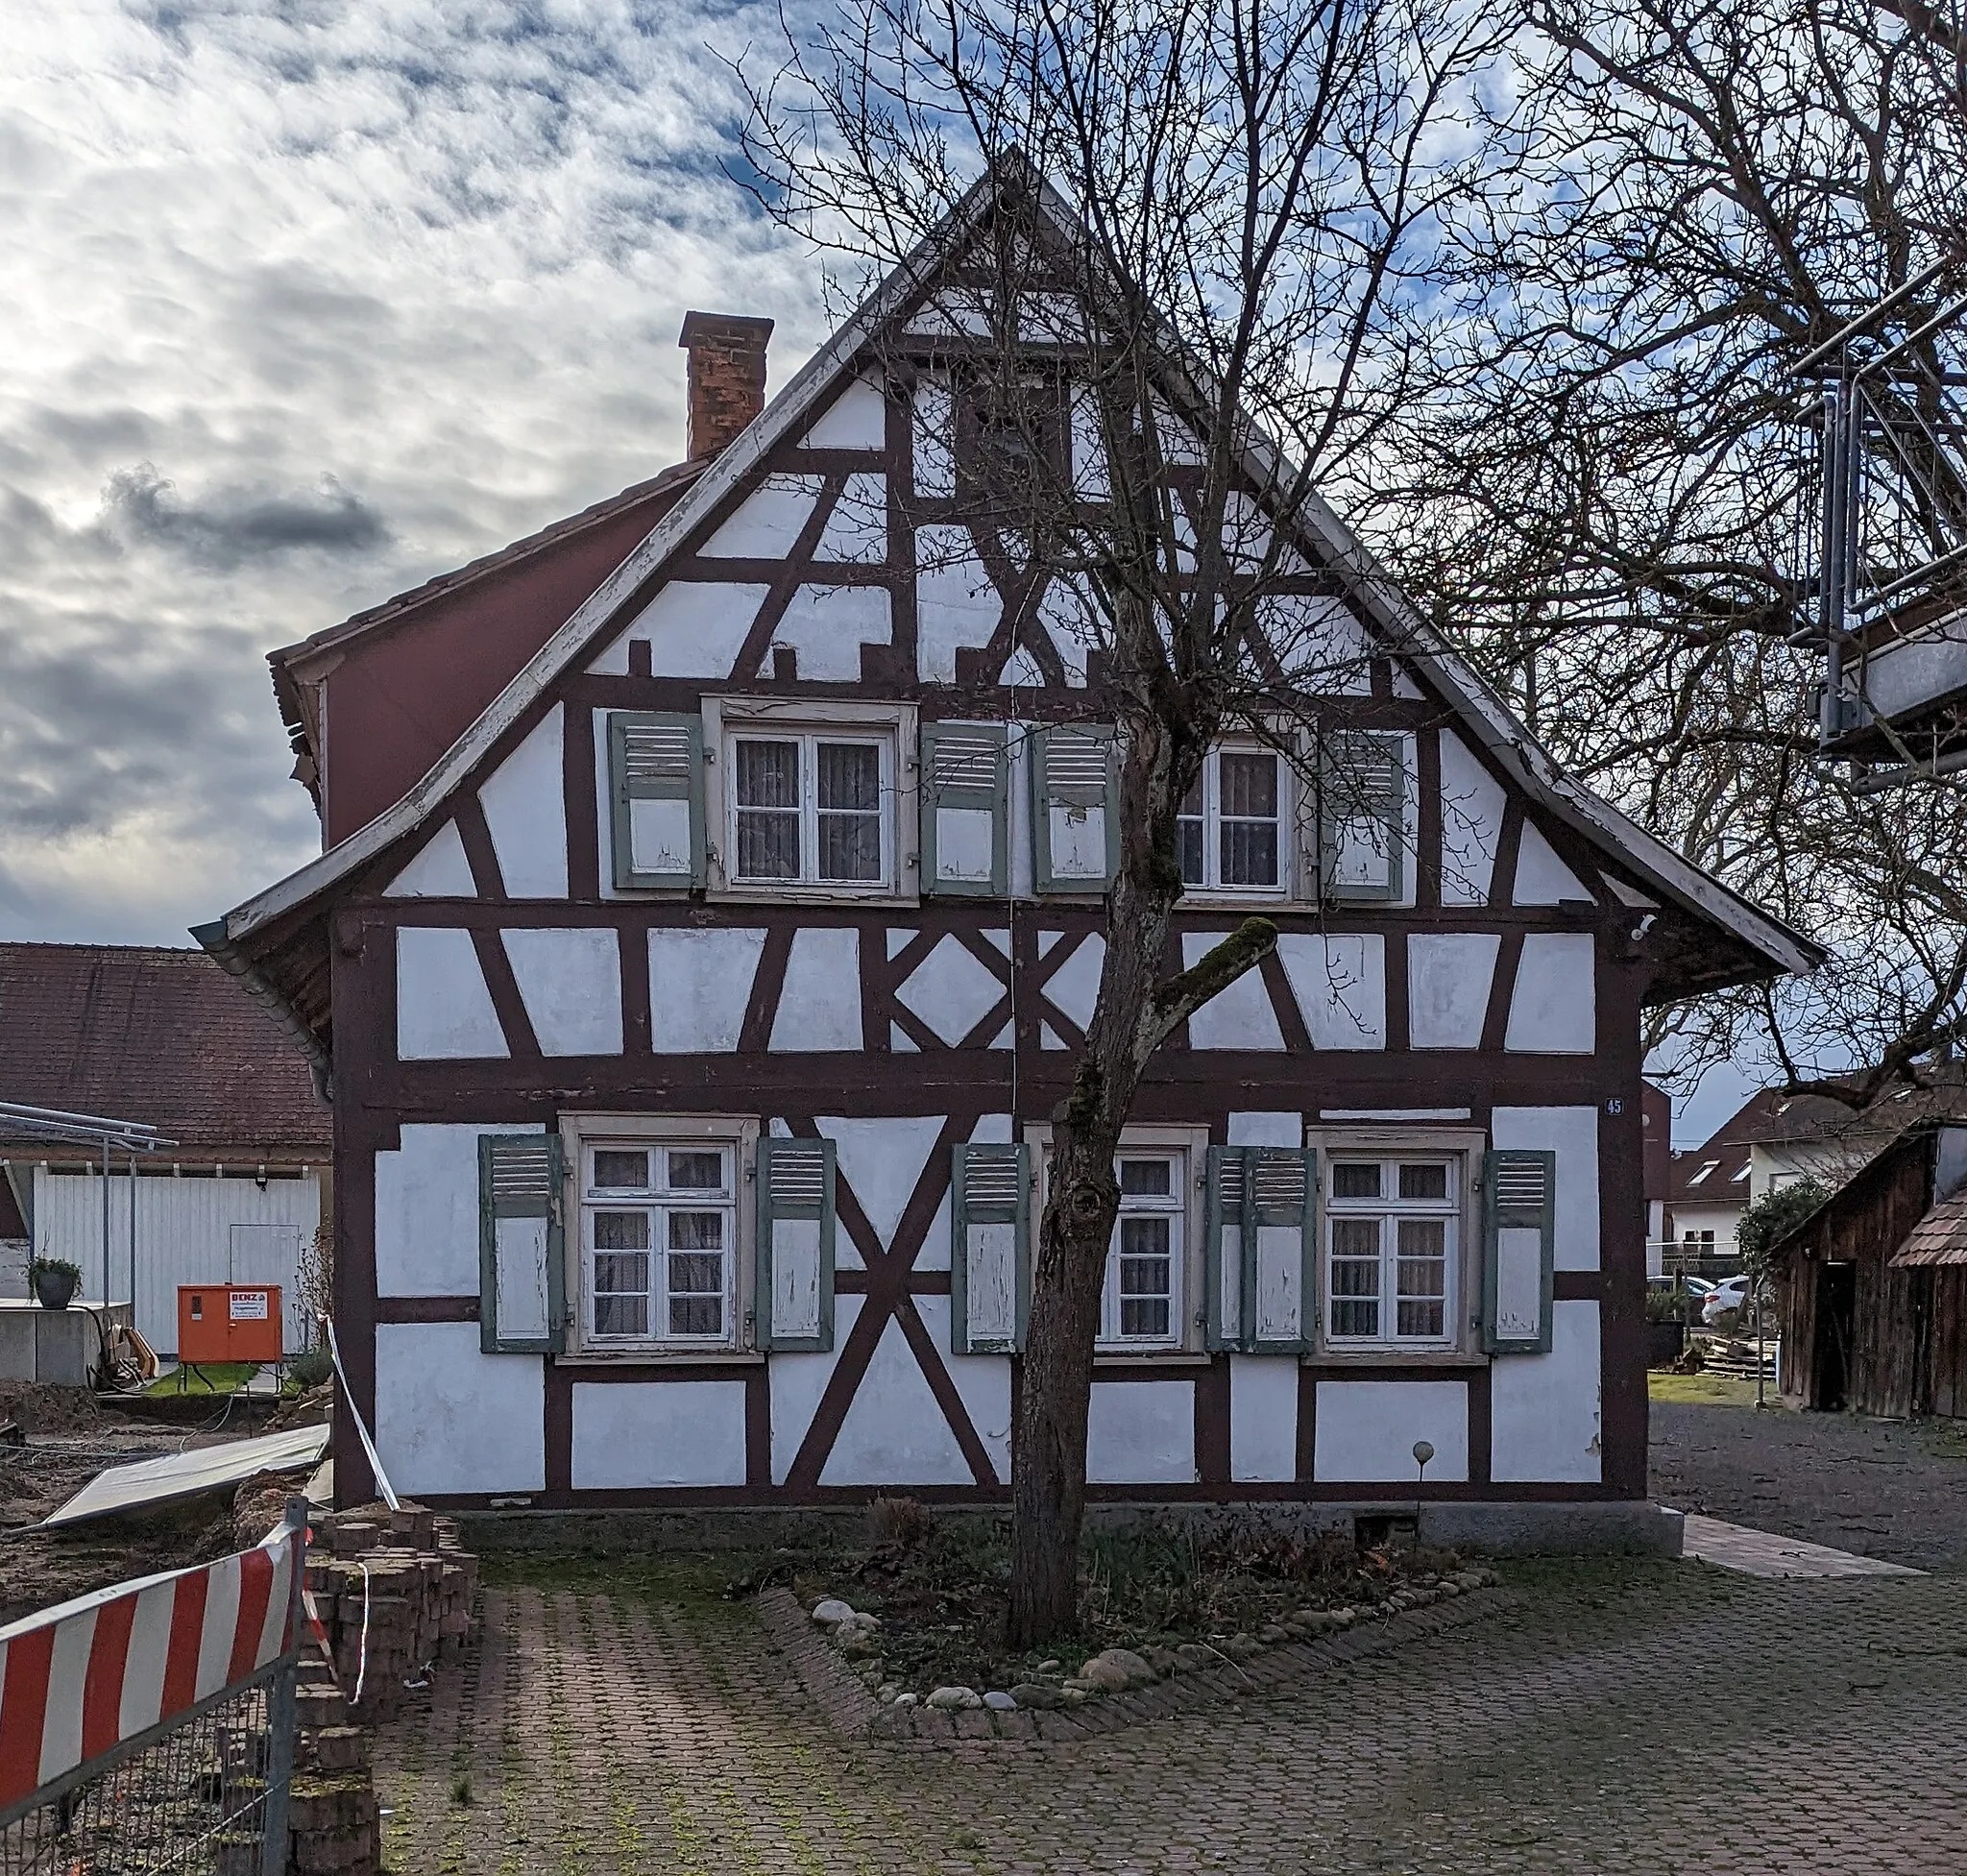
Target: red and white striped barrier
point(81, 1678)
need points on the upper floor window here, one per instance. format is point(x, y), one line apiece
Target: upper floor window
point(1390, 1250)
point(811, 810)
point(1231, 827)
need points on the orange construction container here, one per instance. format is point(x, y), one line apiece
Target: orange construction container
point(228, 1322)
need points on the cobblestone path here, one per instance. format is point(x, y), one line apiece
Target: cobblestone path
point(1631, 1718)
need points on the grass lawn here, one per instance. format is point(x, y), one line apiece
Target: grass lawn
point(212, 1377)
point(1705, 1390)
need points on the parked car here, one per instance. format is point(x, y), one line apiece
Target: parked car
point(1732, 1293)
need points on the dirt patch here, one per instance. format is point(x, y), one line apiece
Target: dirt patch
point(36, 1407)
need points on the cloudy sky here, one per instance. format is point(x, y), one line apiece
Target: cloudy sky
point(303, 305)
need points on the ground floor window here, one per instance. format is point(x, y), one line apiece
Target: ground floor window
point(1391, 1226)
point(1141, 1305)
point(659, 1241)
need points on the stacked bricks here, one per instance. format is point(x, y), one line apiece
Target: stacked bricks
point(333, 1826)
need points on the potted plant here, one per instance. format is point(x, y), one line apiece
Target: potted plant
point(55, 1281)
point(1666, 1327)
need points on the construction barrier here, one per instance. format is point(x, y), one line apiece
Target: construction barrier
point(151, 1726)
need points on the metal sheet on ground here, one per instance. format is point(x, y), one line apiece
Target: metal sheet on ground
point(184, 1475)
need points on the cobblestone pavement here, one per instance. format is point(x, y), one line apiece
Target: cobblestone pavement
point(1882, 1488)
point(1631, 1718)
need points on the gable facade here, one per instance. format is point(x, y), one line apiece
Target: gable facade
point(698, 1024)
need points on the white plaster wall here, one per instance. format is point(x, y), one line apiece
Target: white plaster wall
point(895, 1432)
point(819, 1006)
point(856, 532)
point(1471, 805)
point(1341, 986)
point(1554, 1004)
point(1573, 1135)
point(570, 984)
point(524, 800)
point(1448, 979)
point(1318, 641)
point(827, 626)
point(699, 985)
point(951, 990)
point(629, 1435)
point(1239, 1017)
point(450, 1418)
point(427, 1210)
point(1545, 1414)
point(1722, 1220)
point(696, 628)
point(956, 602)
point(1141, 1433)
point(1266, 1129)
point(989, 1130)
point(1366, 1431)
point(1542, 879)
point(981, 1381)
point(797, 1381)
point(1071, 623)
point(935, 463)
point(438, 871)
point(855, 420)
point(1263, 1417)
point(1075, 985)
point(882, 1161)
point(1089, 480)
point(443, 1009)
point(766, 523)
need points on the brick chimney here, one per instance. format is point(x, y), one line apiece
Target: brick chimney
point(727, 376)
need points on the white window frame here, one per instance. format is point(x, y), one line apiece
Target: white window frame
point(1287, 824)
point(1462, 1151)
point(1189, 1147)
point(727, 721)
point(738, 1135)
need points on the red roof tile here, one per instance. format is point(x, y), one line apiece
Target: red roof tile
point(163, 1036)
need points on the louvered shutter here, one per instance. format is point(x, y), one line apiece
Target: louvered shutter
point(1262, 1241)
point(989, 1258)
point(1362, 815)
point(796, 1245)
point(1075, 815)
point(655, 771)
point(965, 802)
point(1519, 1250)
point(521, 1246)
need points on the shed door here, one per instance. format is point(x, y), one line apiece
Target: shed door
point(271, 1253)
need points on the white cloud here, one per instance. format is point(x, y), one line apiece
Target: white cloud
point(302, 306)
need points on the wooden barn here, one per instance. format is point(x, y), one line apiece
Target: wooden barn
point(699, 988)
point(1871, 1288)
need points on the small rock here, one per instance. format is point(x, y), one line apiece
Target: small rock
point(1192, 1656)
point(831, 1610)
point(1318, 1622)
point(1241, 1647)
point(1074, 1697)
point(907, 1700)
point(887, 1692)
point(999, 1702)
point(1272, 1633)
point(1048, 1666)
point(1448, 1589)
point(1038, 1693)
point(1116, 1670)
point(954, 1699)
point(1163, 1661)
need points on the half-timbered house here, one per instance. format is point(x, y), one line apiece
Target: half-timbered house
point(695, 1021)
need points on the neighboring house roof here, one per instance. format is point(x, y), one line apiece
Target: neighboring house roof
point(1708, 1174)
point(143, 1034)
point(1762, 944)
point(1940, 1238)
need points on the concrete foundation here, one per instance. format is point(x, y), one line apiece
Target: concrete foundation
point(60, 1347)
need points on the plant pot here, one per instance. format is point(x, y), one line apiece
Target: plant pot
point(1665, 1343)
point(54, 1289)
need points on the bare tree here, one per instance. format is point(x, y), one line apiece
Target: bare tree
point(1224, 304)
point(1608, 494)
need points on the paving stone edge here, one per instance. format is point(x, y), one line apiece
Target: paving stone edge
point(850, 1708)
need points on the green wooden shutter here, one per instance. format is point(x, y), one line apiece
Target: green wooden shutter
point(1519, 1250)
point(989, 1256)
point(1281, 1192)
point(796, 1245)
point(965, 809)
point(1362, 819)
point(1224, 1250)
point(1075, 807)
point(521, 1245)
point(655, 773)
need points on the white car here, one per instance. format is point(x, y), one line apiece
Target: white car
point(1733, 1293)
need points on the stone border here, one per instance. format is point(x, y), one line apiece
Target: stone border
point(850, 1708)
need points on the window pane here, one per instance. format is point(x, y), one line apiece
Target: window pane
point(697, 1172)
point(849, 846)
point(617, 1170)
point(1421, 1276)
point(616, 1272)
point(621, 1230)
point(1147, 1178)
point(768, 844)
point(767, 774)
point(696, 1230)
point(1249, 853)
point(1423, 1240)
point(1355, 1180)
point(1423, 1181)
point(1189, 841)
point(1354, 1279)
point(1142, 1316)
point(850, 776)
point(1417, 1318)
point(621, 1315)
point(697, 1315)
point(1146, 1266)
point(622, 1278)
point(1250, 785)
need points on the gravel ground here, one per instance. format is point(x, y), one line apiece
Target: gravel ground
point(1881, 1488)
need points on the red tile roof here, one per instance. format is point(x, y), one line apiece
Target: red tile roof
point(1940, 1238)
point(145, 1033)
